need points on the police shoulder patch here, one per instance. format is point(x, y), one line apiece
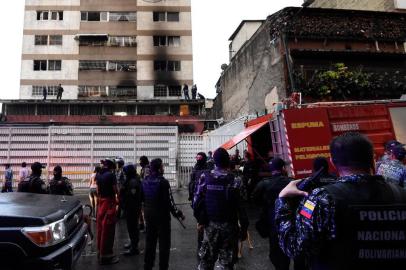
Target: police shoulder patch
point(307, 209)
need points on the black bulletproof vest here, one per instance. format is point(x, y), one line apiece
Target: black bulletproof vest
point(219, 198)
point(370, 218)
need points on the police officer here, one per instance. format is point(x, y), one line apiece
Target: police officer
point(265, 194)
point(59, 184)
point(120, 185)
point(345, 225)
point(132, 203)
point(393, 169)
point(144, 163)
point(8, 179)
point(199, 168)
point(34, 183)
point(325, 177)
point(158, 206)
point(219, 205)
point(106, 212)
point(387, 154)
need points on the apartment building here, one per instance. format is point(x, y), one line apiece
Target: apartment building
point(107, 49)
point(373, 5)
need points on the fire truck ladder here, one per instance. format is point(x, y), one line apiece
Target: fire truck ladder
point(276, 138)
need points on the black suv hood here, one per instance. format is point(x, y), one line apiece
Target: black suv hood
point(26, 209)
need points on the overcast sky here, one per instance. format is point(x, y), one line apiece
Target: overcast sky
point(213, 23)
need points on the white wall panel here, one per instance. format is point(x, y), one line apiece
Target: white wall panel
point(69, 71)
point(71, 21)
point(69, 46)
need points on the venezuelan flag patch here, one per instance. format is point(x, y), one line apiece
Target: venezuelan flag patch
point(307, 209)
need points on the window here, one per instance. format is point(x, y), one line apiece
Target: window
point(94, 16)
point(167, 65)
point(37, 90)
point(159, 16)
point(173, 16)
point(40, 65)
point(160, 41)
point(122, 16)
point(129, 41)
point(174, 41)
point(92, 65)
point(55, 65)
point(41, 40)
point(173, 65)
point(146, 110)
point(55, 40)
point(53, 15)
point(160, 91)
point(175, 90)
point(160, 65)
point(92, 91)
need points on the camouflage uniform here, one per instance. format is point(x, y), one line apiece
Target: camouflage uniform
point(321, 226)
point(393, 171)
point(222, 211)
point(218, 243)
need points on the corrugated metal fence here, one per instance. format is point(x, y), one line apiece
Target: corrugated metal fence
point(191, 144)
point(79, 149)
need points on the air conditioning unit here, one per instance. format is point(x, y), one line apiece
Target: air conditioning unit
point(111, 66)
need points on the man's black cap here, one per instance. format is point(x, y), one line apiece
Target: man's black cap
point(392, 143)
point(276, 164)
point(36, 166)
point(399, 152)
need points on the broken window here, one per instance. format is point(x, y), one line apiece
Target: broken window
point(41, 40)
point(55, 40)
point(173, 16)
point(175, 90)
point(92, 91)
point(160, 65)
point(173, 65)
point(42, 15)
point(130, 41)
point(122, 16)
point(40, 65)
point(159, 16)
point(55, 65)
point(174, 41)
point(92, 65)
point(160, 91)
point(123, 91)
point(160, 41)
point(91, 16)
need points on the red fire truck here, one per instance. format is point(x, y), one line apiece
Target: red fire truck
point(301, 133)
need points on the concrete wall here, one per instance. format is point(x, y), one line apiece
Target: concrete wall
point(243, 35)
point(251, 76)
point(377, 5)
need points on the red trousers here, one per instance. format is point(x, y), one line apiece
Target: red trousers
point(106, 226)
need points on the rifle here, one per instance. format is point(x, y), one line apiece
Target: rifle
point(177, 210)
point(307, 183)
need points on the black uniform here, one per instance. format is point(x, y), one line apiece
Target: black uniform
point(158, 206)
point(357, 223)
point(61, 186)
point(266, 193)
point(197, 172)
point(33, 184)
point(132, 203)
